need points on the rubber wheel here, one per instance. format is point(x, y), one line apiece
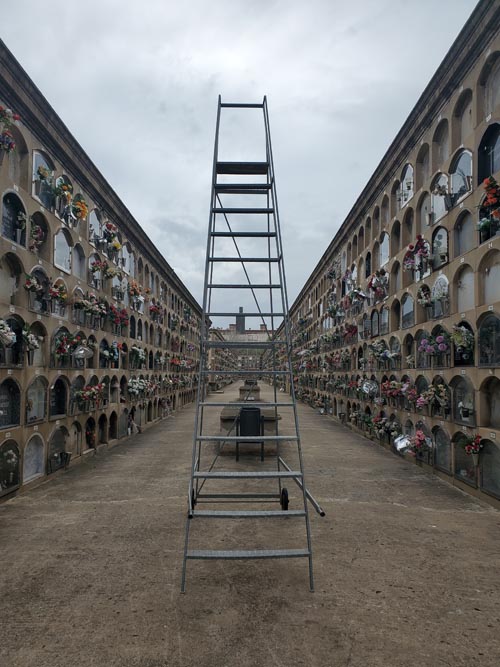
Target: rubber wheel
point(284, 499)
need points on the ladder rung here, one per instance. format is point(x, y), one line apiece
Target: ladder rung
point(244, 344)
point(201, 554)
point(246, 438)
point(248, 474)
point(257, 371)
point(233, 314)
point(238, 105)
point(243, 188)
point(245, 404)
point(243, 211)
point(246, 286)
point(246, 514)
point(242, 167)
point(241, 496)
point(257, 235)
point(244, 259)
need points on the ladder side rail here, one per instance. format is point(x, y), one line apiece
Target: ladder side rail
point(286, 324)
point(204, 333)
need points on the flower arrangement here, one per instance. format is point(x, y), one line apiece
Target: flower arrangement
point(7, 336)
point(492, 202)
point(31, 284)
point(63, 189)
point(378, 348)
point(424, 296)
point(416, 254)
point(378, 283)
point(439, 344)
point(463, 339)
point(44, 174)
point(37, 237)
point(134, 289)
point(90, 393)
point(174, 322)
point(80, 209)
point(138, 353)
point(7, 142)
point(351, 331)
point(418, 442)
point(31, 341)
point(58, 292)
point(472, 444)
point(111, 271)
point(391, 388)
point(7, 119)
point(411, 393)
point(154, 309)
point(66, 343)
point(97, 266)
point(118, 316)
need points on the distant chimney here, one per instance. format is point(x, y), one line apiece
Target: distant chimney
point(240, 322)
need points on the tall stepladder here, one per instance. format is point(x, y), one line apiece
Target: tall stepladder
point(244, 263)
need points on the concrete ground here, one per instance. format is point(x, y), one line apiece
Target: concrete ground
point(406, 567)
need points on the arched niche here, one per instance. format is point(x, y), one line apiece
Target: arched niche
point(33, 459)
point(10, 477)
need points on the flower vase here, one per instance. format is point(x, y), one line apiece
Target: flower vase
point(19, 234)
point(2, 155)
point(475, 459)
point(31, 356)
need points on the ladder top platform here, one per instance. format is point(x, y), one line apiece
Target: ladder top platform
point(242, 167)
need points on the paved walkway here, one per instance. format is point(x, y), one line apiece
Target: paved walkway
point(407, 568)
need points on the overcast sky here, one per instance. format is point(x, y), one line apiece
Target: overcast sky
point(137, 85)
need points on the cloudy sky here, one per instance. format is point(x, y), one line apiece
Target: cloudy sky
point(137, 84)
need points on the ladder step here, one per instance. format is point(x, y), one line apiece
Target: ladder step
point(243, 497)
point(244, 259)
point(237, 286)
point(257, 371)
point(243, 211)
point(244, 344)
point(249, 438)
point(242, 167)
point(238, 105)
point(200, 554)
point(243, 188)
point(249, 235)
point(248, 474)
point(233, 314)
point(246, 404)
point(246, 514)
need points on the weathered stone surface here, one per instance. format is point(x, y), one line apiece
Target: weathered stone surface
point(406, 567)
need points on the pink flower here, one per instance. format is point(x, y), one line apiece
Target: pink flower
point(442, 347)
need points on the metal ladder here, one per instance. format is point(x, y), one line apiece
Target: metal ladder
point(229, 224)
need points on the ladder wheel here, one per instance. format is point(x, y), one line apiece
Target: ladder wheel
point(284, 499)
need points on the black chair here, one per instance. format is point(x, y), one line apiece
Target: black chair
point(250, 423)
